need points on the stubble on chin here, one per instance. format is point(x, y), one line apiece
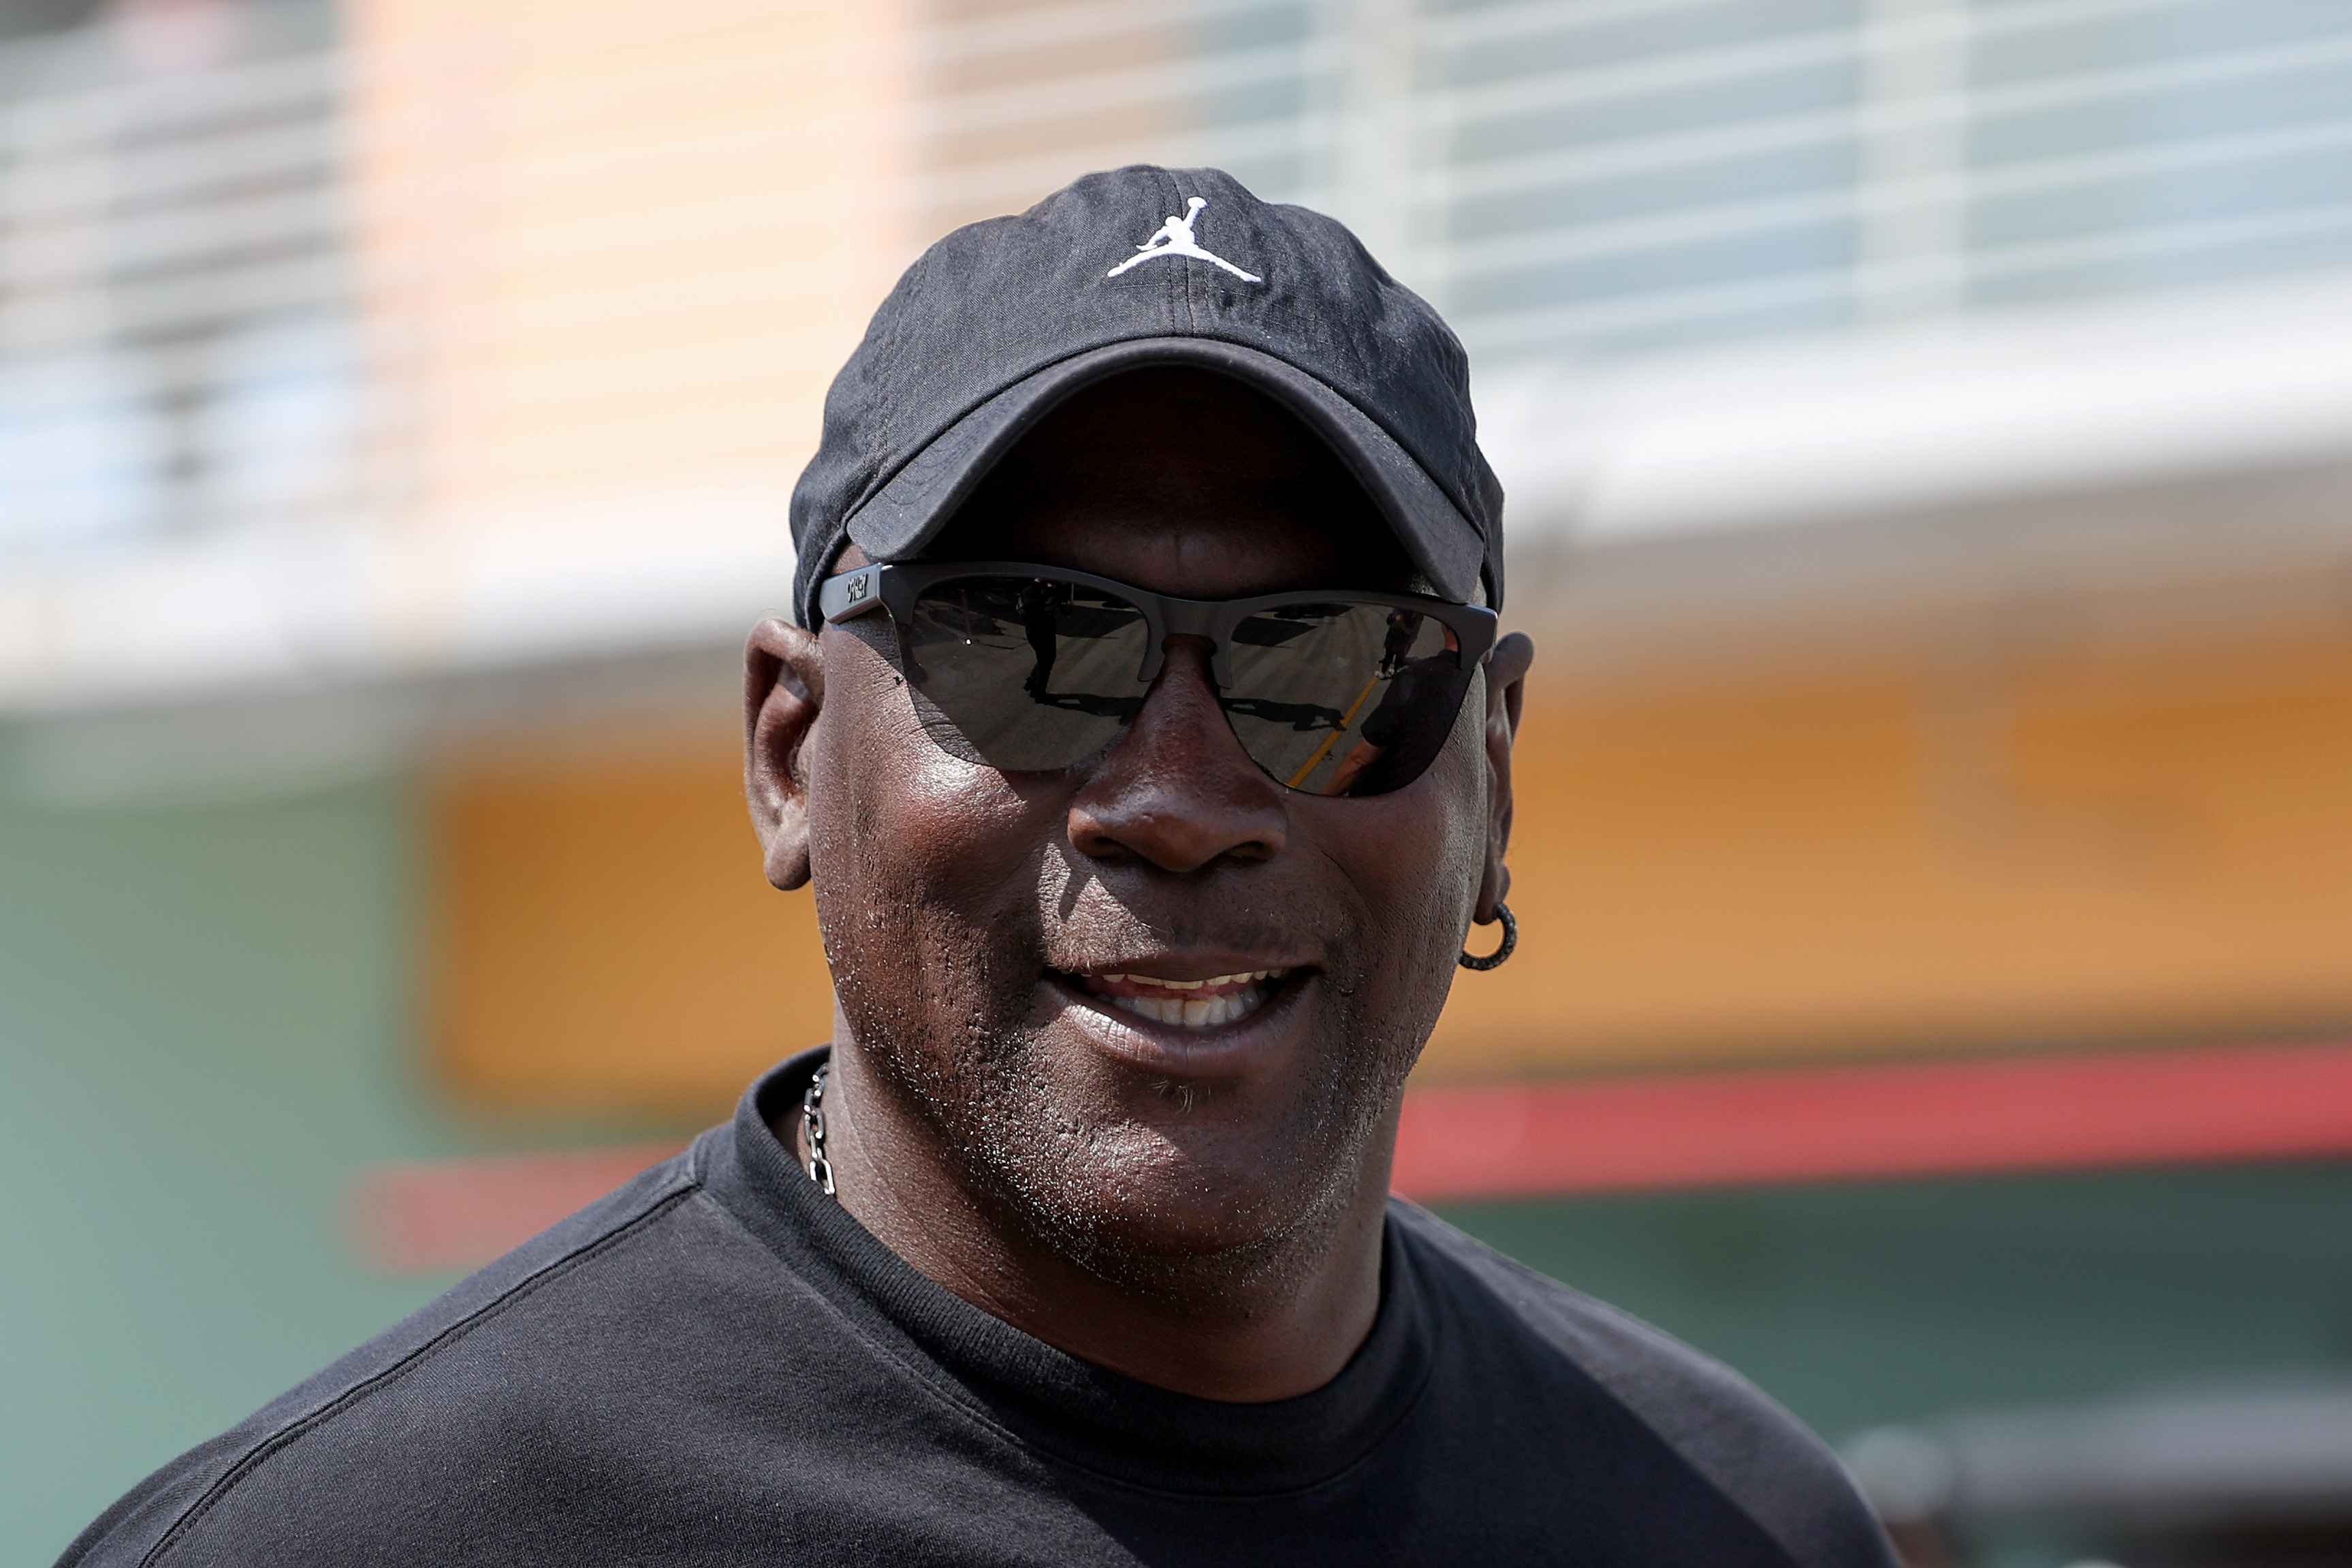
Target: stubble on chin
point(1128, 1198)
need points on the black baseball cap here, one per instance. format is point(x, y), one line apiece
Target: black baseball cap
point(1001, 322)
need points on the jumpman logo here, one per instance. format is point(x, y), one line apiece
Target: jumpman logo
point(1175, 238)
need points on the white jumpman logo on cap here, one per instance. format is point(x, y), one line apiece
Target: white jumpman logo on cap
point(1175, 238)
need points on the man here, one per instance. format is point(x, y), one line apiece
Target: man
point(1074, 1247)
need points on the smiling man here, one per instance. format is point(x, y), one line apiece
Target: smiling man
point(1146, 735)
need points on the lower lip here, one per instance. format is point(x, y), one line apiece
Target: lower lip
point(1214, 1051)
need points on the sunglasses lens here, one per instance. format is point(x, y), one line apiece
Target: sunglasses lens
point(1030, 673)
point(1344, 699)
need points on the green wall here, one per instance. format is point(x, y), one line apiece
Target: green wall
point(203, 1014)
point(1867, 1303)
point(206, 1019)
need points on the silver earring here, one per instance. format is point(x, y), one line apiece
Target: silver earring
point(1470, 960)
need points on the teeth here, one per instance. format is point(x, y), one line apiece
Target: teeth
point(1195, 1012)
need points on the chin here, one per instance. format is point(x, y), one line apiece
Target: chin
point(1170, 1184)
point(1143, 1152)
point(1176, 1244)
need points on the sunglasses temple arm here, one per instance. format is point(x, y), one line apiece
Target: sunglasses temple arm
point(849, 595)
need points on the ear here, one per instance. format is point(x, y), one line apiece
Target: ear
point(783, 688)
point(1506, 674)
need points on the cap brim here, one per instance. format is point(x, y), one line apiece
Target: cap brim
point(908, 511)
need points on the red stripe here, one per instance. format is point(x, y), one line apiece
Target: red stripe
point(1911, 1118)
point(1700, 1130)
point(430, 1216)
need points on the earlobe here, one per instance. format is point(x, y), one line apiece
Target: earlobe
point(1506, 671)
point(784, 691)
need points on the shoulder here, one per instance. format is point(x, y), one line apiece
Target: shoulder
point(349, 1440)
point(1758, 1455)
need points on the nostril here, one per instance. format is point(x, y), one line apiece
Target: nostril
point(1184, 838)
point(1179, 820)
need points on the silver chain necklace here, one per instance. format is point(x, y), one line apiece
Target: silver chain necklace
point(820, 1170)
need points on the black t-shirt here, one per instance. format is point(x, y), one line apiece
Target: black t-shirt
point(716, 1364)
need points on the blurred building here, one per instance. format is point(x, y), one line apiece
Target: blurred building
point(1928, 428)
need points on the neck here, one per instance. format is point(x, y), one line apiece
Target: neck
point(1266, 1322)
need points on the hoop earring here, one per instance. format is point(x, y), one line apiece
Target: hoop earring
point(1470, 960)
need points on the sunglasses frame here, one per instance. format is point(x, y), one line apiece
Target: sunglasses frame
point(895, 587)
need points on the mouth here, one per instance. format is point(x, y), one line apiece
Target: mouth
point(1203, 1002)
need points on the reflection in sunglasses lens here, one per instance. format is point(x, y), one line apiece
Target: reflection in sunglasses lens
point(1343, 699)
point(1033, 673)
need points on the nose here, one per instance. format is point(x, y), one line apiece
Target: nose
point(1178, 791)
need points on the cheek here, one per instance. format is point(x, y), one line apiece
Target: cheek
point(1415, 856)
point(905, 838)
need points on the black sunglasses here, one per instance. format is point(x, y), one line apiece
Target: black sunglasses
point(1332, 692)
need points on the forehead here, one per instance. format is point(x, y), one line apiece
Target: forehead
point(1183, 482)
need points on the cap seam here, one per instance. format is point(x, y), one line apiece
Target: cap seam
point(1180, 277)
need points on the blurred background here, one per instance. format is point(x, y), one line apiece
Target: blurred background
point(1928, 429)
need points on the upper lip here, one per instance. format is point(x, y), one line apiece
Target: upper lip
point(1184, 966)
